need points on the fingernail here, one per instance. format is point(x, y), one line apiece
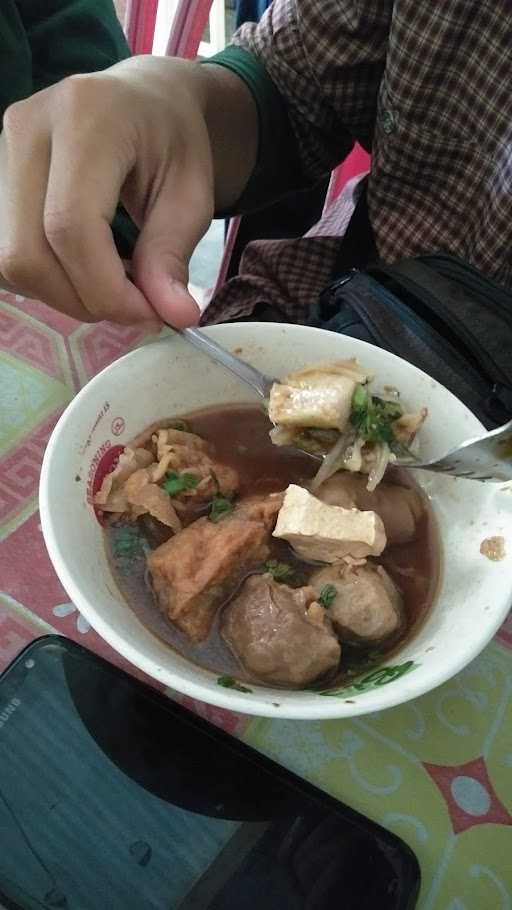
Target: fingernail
point(179, 289)
point(190, 311)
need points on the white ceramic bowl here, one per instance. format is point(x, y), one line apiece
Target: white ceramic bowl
point(169, 377)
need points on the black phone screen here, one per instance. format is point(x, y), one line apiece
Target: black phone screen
point(114, 798)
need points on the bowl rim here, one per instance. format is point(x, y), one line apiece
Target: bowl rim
point(263, 702)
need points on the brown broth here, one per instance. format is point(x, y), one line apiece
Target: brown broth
point(238, 436)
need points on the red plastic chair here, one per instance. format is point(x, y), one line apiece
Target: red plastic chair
point(140, 25)
point(355, 164)
point(185, 32)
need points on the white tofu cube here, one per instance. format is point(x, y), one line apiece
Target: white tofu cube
point(318, 531)
point(322, 400)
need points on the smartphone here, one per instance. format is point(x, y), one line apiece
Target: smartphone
point(113, 797)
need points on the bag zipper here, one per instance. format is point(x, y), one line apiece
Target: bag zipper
point(476, 356)
point(407, 314)
point(451, 267)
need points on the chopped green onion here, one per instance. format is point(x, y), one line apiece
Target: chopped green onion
point(280, 571)
point(327, 596)
point(127, 543)
point(175, 484)
point(229, 683)
point(360, 398)
point(373, 417)
point(220, 506)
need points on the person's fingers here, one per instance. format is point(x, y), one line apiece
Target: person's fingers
point(69, 157)
point(175, 222)
point(84, 183)
point(27, 263)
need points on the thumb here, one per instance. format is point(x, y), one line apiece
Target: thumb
point(177, 221)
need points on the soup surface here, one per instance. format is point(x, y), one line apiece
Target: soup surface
point(239, 437)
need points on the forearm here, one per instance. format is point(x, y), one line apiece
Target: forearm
point(325, 60)
point(233, 127)
point(314, 94)
point(264, 144)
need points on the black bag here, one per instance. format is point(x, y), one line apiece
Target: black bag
point(441, 315)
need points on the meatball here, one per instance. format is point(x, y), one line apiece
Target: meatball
point(400, 508)
point(280, 635)
point(367, 606)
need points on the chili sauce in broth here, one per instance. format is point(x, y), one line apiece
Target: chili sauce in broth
point(238, 436)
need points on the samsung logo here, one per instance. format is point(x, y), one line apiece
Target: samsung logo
point(9, 709)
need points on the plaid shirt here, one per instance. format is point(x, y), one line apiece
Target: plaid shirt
point(427, 85)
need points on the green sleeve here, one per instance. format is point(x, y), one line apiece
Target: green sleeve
point(277, 170)
point(71, 36)
point(15, 57)
point(42, 41)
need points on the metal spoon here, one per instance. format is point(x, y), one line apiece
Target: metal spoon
point(252, 377)
point(485, 458)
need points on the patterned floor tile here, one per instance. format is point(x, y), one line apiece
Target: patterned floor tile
point(33, 342)
point(29, 396)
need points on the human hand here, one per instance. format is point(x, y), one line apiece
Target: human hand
point(134, 133)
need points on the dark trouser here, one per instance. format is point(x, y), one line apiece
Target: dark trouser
point(291, 217)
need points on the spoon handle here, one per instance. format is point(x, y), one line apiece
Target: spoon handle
point(251, 376)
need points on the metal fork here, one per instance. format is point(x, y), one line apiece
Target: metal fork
point(485, 458)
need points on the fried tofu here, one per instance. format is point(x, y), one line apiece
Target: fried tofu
point(319, 396)
point(324, 533)
point(261, 508)
point(313, 405)
point(194, 572)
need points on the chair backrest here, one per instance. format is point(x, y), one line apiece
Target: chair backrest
point(188, 27)
point(356, 163)
point(188, 20)
point(140, 25)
